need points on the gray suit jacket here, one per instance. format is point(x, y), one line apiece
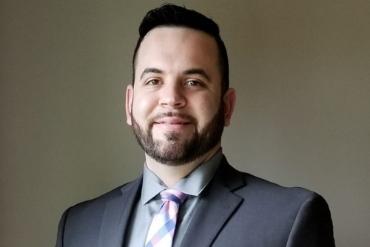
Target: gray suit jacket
point(235, 210)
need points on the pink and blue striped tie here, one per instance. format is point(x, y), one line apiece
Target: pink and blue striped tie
point(162, 228)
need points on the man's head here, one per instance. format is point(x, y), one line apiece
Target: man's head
point(179, 102)
point(173, 15)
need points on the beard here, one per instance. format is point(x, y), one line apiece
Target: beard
point(175, 151)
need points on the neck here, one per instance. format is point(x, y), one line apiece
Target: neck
point(171, 174)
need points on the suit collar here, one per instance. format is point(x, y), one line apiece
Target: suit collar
point(229, 177)
point(117, 215)
point(216, 205)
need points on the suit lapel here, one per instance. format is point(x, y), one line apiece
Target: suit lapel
point(117, 215)
point(216, 206)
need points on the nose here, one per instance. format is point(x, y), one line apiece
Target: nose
point(172, 96)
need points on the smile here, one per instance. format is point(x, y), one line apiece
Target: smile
point(172, 121)
point(172, 124)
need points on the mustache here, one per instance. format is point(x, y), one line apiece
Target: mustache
point(184, 116)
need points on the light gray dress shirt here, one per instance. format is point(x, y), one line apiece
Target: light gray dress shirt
point(150, 202)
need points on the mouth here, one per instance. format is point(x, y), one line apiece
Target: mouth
point(172, 121)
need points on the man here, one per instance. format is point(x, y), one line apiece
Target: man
point(188, 195)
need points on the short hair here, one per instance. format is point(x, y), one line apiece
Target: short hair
point(173, 15)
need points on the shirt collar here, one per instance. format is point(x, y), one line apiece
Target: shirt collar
point(193, 184)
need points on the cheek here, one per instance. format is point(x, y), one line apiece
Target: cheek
point(205, 110)
point(142, 107)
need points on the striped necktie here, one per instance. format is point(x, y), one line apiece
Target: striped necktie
point(162, 228)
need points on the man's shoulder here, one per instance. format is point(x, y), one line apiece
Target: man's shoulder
point(262, 185)
point(272, 203)
point(123, 192)
point(265, 192)
point(83, 221)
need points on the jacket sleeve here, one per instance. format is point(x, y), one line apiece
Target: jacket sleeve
point(313, 226)
point(61, 226)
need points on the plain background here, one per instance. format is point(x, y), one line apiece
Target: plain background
point(301, 70)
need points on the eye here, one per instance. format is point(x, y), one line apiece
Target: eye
point(152, 82)
point(192, 83)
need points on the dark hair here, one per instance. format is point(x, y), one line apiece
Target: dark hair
point(173, 15)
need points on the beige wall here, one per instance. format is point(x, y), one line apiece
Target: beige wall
point(301, 70)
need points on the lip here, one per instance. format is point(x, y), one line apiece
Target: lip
point(172, 121)
point(172, 124)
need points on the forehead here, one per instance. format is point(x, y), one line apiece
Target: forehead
point(177, 46)
point(177, 33)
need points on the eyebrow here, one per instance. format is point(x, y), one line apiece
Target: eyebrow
point(150, 70)
point(194, 71)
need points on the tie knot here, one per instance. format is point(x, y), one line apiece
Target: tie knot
point(173, 195)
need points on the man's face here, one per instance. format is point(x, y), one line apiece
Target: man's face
point(175, 107)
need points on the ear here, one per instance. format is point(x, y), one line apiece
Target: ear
point(128, 103)
point(229, 99)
